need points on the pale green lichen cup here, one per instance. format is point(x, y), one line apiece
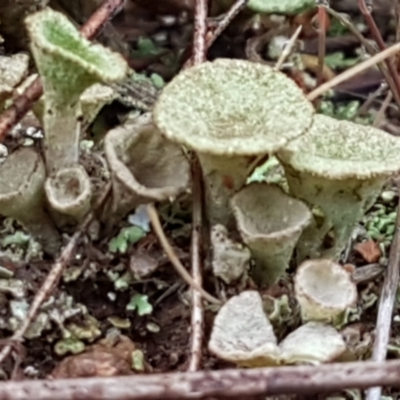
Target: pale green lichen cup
point(22, 197)
point(270, 223)
point(68, 64)
point(337, 168)
point(145, 167)
point(230, 112)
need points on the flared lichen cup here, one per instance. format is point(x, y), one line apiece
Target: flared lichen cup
point(230, 112)
point(339, 168)
point(270, 222)
point(145, 167)
point(68, 64)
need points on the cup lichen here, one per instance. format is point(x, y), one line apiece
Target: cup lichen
point(68, 64)
point(339, 168)
point(230, 113)
point(22, 197)
point(145, 167)
point(270, 223)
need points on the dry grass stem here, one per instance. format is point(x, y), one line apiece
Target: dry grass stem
point(368, 47)
point(386, 305)
point(287, 50)
point(155, 222)
point(344, 76)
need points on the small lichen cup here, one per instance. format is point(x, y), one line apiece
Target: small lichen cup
point(230, 112)
point(22, 197)
point(338, 167)
point(270, 222)
point(324, 290)
point(69, 192)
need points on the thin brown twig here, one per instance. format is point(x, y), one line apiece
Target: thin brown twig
point(288, 48)
point(227, 383)
point(197, 315)
point(200, 32)
point(371, 98)
point(386, 305)
point(366, 12)
point(101, 17)
point(322, 22)
point(225, 21)
point(397, 14)
point(155, 222)
point(23, 103)
point(370, 49)
point(344, 76)
point(382, 109)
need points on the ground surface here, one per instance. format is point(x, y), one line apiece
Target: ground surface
point(98, 289)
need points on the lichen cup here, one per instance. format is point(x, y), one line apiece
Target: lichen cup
point(69, 192)
point(270, 222)
point(145, 167)
point(22, 197)
point(230, 112)
point(68, 64)
point(339, 168)
point(324, 290)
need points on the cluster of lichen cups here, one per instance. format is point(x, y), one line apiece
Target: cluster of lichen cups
point(44, 195)
point(233, 113)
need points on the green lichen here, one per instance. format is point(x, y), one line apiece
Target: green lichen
point(287, 7)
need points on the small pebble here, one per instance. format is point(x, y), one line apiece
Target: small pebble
point(388, 196)
point(152, 327)
point(112, 296)
point(3, 152)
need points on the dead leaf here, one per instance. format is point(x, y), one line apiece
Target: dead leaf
point(369, 251)
point(100, 360)
point(142, 264)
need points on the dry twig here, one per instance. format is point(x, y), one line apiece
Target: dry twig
point(382, 109)
point(23, 103)
point(344, 76)
point(200, 32)
point(155, 222)
point(366, 44)
point(197, 317)
point(227, 383)
point(288, 49)
point(366, 12)
point(386, 305)
point(225, 21)
point(322, 22)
